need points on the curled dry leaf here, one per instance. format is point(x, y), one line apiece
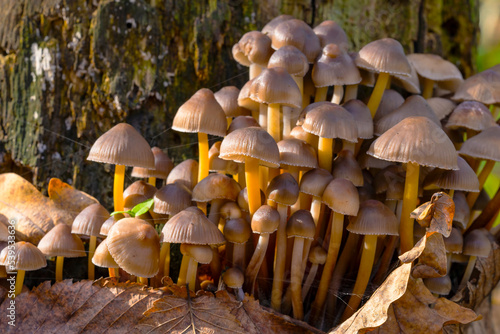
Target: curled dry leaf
point(432, 260)
point(436, 215)
point(68, 198)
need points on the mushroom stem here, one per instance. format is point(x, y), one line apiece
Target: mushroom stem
point(241, 175)
point(365, 269)
point(378, 91)
point(320, 94)
point(182, 279)
point(203, 155)
point(19, 282)
point(351, 93)
point(316, 210)
point(59, 268)
point(263, 177)
point(385, 259)
point(263, 116)
point(279, 259)
point(215, 265)
point(287, 121)
point(202, 206)
point(113, 272)
point(350, 146)
point(410, 198)
point(214, 214)
point(448, 263)
point(338, 94)
point(300, 83)
point(229, 121)
point(91, 269)
point(255, 262)
point(273, 120)
point(309, 280)
point(165, 259)
point(468, 271)
point(483, 175)
point(428, 88)
point(325, 153)
point(239, 255)
point(254, 70)
point(191, 273)
point(240, 295)
point(152, 181)
point(118, 187)
point(451, 193)
point(143, 280)
point(252, 180)
point(296, 278)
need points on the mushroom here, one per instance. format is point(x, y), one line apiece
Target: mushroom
point(438, 285)
point(442, 107)
point(454, 244)
point(186, 173)
point(296, 156)
point(330, 32)
point(163, 166)
point(216, 164)
point(197, 254)
point(391, 100)
point(472, 116)
point(228, 100)
point(234, 278)
point(237, 231)
point(102, 258)
point(476, 244)
point(297, 33)
point(253, 50)
point(317, 257)
point(140, 188)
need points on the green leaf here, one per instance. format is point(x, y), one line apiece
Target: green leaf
point(143, 207)
point(117, 212)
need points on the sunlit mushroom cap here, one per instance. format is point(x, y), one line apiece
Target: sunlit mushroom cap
point(346, 167)
point(244, 99)
point(299, 133)
point(362, 117)
point(476, 243)
point(442, 107)
point(90, 220)
point(140, 188)
point(483, 87)
point(231, 210)
point(191, 226)
point(60, 242)
point(471, 115)
point(243, 199)
point(135, 246)
point(295, 152)
point(283, 189)
point(102, 257)
point(122, 145)
point(391, 100)
point(106, 226)
point(342, 197)
point(237, 230)
point(301, 225)
point(201, 113)
point(254, 47)
point(265, 220)
point(374, 218)
point(315, 181)
point(200, 253)
point(439, 285)
point(409, 83)
point(216, 186)
point(163, 166)
point(291, 59)
point(485, 145)
point(275, 85)
point(242, 122)
point(271, 25)
point(299, 34)
point(454, 243)
point(227, 97)
point(462, 210)
point(418, 140)
point(252, 142)
point(171, 199)
point(186, 173)
point(464, 178)
point(384, 55)
point(233, 278)
point(329, 120)
point(335, 67)
point(431, 66)
point(330, 32)
point(25, 256)
point(317, 255)
point(216, 164)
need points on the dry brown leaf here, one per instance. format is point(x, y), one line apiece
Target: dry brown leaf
point(436, 215)
point(68, 198)
point(432, 261)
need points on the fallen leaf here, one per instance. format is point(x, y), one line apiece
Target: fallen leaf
point(68, 198)
point(432, 260)
point(436, 215)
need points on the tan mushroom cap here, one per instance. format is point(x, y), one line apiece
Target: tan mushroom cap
point(346, 167)
point(231, 210)
point(483, 87)
point(201, 113)
point(342, 197)
point(135, 246)
point(374, 218)
point(283, 189)
point(455, 242)
point(362, 117)
point(186, 173)
point(414, 105)
point(254, 47)
point(418, 140)
point(391, 100)
point(90, 220)
point(386, 176)
point(250, 142)
point(330, 32)
point(485, 145)
point(317, 255)
point(271, 25)
point(227, 97)
point(464, 178)
point(299, 133)
point(237, 230)
point(367, 161)
point(329, 120)
point(216, 164)
point(434, 67)
point(242, 122)
point(106, 226)
point(243, 199)
point(295, 152)
point(291, 59)
point(102, 257)
point(163, 166)
point(200, 253)
point(140, 188)
point(122, 145)
point(476, 243)
point(275, 85)
point(191, 226)
point(265, 220)
point(462, 210)
point(315, 181)
point(367, 78)
point(60, 242)
point(442, 107)
point(439, 285)
point(216, 186)
point(409, 83)
point(244, 99)
point(384, 55)
point(471, 115)
point(335, 67)
point(26, 257)
point(299, 34)
point(301, 225)
point(4, 232)
point(233, 278)
point(132, 200)
point(171, 199)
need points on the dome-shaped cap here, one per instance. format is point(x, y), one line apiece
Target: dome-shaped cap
point(409, 83)
point(295, 152)
point(464, 178)
point(462, 210)
point(271, 25)
point(485, 145)
point(455, 242)
point(191, 226)
point(391, 100)
point(362, 117)
point(216, 164)
point(227, 97)
point(342, 197)
point(250, 142)
point(231, 210)
point(163, 166)
point(134, 245)
point(186, 173)
point(483, 87)
point(254, 47)
point(301, 225)
point(386, 176)
point(431, 66)
point(216, 186)
point(299, 133)
point(265, 220)
point(384, 55)
point(60, 242)
point(244, 99)
point(471, 115)
point(242, 122)
point(335, 67)
point(106, 226)
point(243, 199)
point(418, 140)
point(374, 218)
point(330, 32)
point(200, 253)
point(233, 278)
point(237, 230)
point(317, 255)
point(291, 59)
point(315, 181)
point(476, 243)
point(442, 107)
point(122, 145)
point(283, 189)
point(102, 257)
point(25, 256)
point(275, 85)
point(346, 167)
point(439, 285)
point(201, 113)
point(140, 188)
point(90, 220)
point(299, 34)
point(171, 199)
point(329, 120)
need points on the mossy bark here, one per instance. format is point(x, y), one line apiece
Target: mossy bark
point(70, 69)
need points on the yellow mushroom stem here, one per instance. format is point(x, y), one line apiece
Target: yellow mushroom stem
point(91, 269)
point(410, 198)
point(152, 181)
point(241, 176)
point(252, 180)
point(468, 271)
point(182, 279)
point(263, 115)
point(215, 265)
point(338, 94)
point(255, 115)
point(263, 177)
point(378, 91)
point(451, 193)
point(296, 278)
point(287, 121)
point(351, 93)
point(320, 95)
point(350, 146)
point(325, 153)
point(164, 259)
point(483, 175)
point(428, 88)
point(118, 187)
point(19, 282)
point(229, 121)
point(309, 280)
point(279, 259)
point(273, 121)
point(143, 280)
point(191, 274)
point(202, 206)
point(59, 268)
point(203, 155)
point(255, 262)
point(365, 269)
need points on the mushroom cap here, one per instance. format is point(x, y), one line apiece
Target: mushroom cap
point(216, 186)
point(26, 257)
point(485, 145)
point(271, 25)
point(60, 242)
point(295, 152)
point(237, 230)
point(315, 181)
point(243, 199)
point(201, 113)
point(317, 255)
point(299, 133)
point(483, 87)
point(171, 199)
point(439, 285)
point(230, 210)
point(242, 122)
point(418, 140)
point(216, 164)
point(227, 97)
point(362, 117)
point(384, 55)
point(481, 201)
point(265, 220)
point(140, 188)
point(346, 167)
point(200, 253)
point(252, 142)
point(409, 83)
point(335, 67)
point(391, 100)
point(244, 99)
point(341, 196)
point(471, 115)
point(454, 243)
point(431, 66)
point(464, 178)
point(4, 232)
point(283, 189)
point(442, 107)
point(90, 220)
point(462, 210)
point(301, 225)
point(388, 175)
point(186, 173)
point(275, 85)
point(330, 32)
point(192, 227)
point(299, 34)
point(254, 47)
point(102, 257)
point(233, 278)
point(476, 243)
point(122, 145)
point(106, 226)
point(291, 59)
point(163, 166)
point(135, 246)
point(374, 218)
point(367, 161)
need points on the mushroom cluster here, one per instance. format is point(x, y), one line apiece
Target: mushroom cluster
point(310, 190)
